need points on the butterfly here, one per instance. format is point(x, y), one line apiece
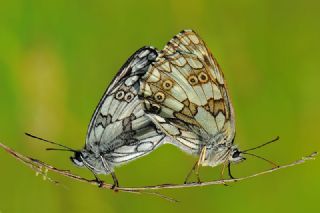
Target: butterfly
point(185, 95)
point(119, 131)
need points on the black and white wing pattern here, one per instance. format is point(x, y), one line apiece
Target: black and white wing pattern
point(185, 95)
point(119, 131)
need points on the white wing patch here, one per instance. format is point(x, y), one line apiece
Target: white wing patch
point(207, 121)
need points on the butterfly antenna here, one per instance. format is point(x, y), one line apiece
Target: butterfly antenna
point(258, 147)
point(57, 149)
point(51, 142)
point(262, 158)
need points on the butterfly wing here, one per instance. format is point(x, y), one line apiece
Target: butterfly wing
point(185, 94)
point(119, 129)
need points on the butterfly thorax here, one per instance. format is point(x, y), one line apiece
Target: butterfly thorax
point(215, 150)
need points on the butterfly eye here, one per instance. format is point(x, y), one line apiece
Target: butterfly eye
point(76, 159)
point(128, 97)
point(236, 154)
point(167, 84)
point(120, 95)
point(159, 96)
point(203, 77)
point(193, 80)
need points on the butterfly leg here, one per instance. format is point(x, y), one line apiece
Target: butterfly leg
point(222, 172)
point(201, 159)
point(115, 181)
point(197, 172)
point(190, 172)
point(98, 180)
point(196, 166)
point(229, 171)
point(109, 170)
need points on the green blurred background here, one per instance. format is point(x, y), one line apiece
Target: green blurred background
point(57, 57)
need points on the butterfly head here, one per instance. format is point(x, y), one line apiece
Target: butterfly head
point(86, 157)
point(96, 163)
point(77, 159)
point(235, 155)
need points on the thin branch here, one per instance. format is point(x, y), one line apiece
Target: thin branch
point(222, 182)
point(42, 168)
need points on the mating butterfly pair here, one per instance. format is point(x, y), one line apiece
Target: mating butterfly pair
point(177, 95)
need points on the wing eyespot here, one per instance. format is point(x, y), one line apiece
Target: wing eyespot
point(167, 84)
point(159, 97)
point(203, 77)
point(128, 97)
point(193, 80)
point(119, 95)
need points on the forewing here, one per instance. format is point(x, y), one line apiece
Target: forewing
point(119, 129)
point(185, 87)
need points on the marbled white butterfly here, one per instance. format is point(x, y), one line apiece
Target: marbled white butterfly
point(185, 95)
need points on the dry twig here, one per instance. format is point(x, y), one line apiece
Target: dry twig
point(42, 168)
